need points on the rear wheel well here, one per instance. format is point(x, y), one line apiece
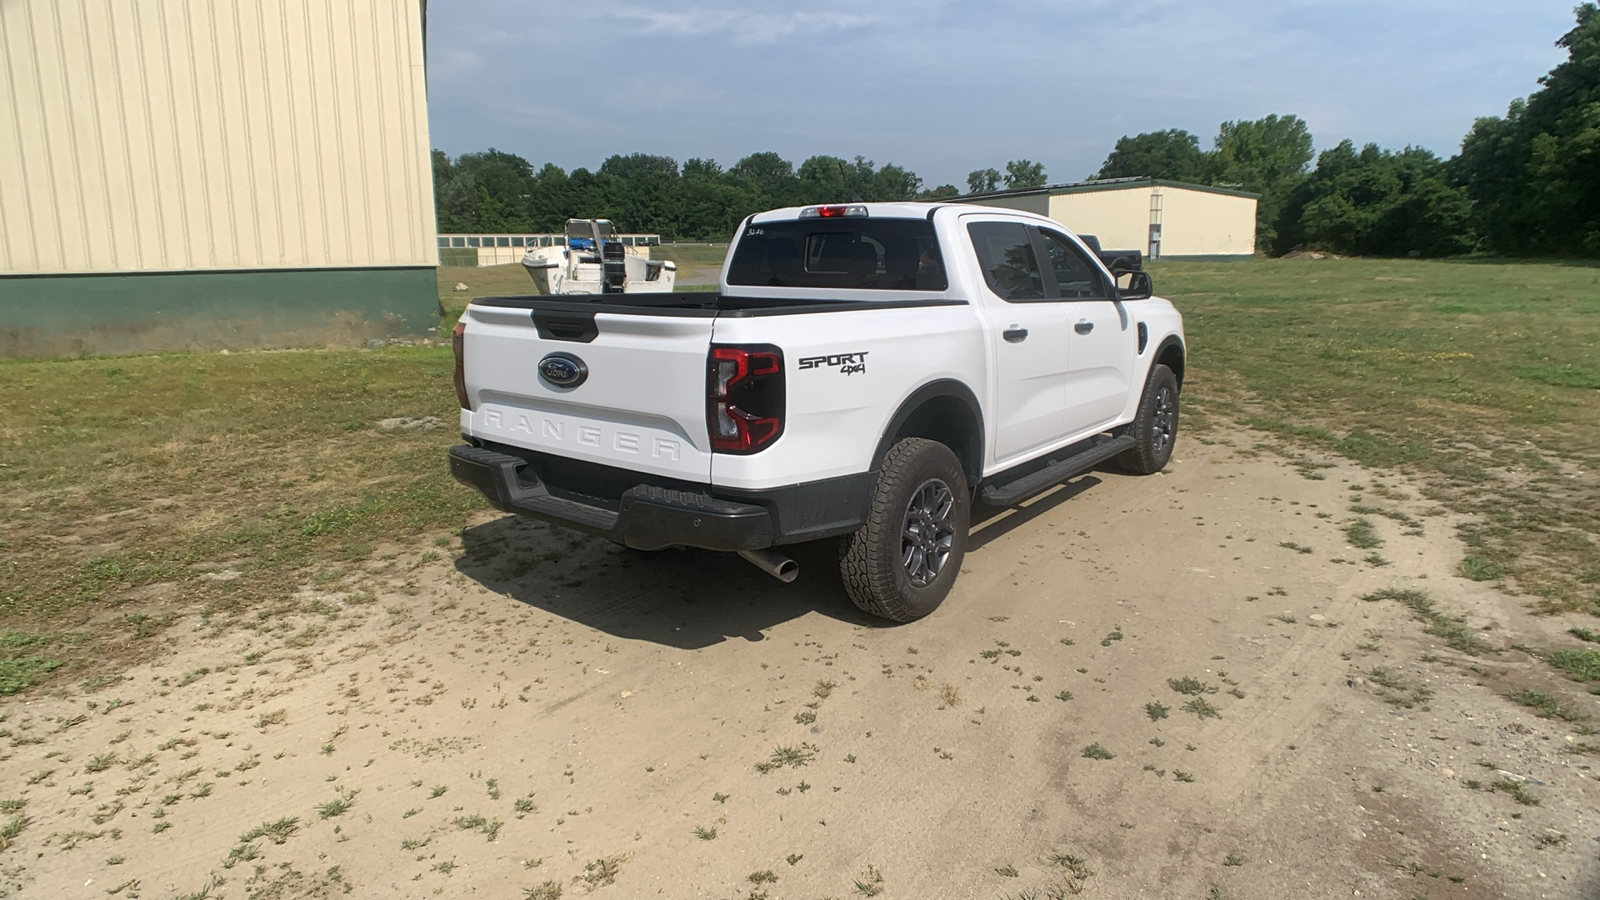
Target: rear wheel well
point(949, 420)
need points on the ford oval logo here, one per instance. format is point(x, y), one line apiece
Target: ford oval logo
point(563, 370)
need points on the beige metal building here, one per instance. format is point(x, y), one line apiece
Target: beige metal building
point(179, 174)
point(1164, 219)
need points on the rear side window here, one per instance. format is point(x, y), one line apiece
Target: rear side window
point(1005, 252)
point(866, 253)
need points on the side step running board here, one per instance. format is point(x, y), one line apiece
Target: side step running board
point(1055, 473)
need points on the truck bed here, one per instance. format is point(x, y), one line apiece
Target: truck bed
point(696, 303)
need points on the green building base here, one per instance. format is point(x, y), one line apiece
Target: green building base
point(97, 315)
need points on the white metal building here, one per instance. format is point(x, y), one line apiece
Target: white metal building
point(193, 174)
point(1163, 219)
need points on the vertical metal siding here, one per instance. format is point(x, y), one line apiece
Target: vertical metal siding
point(212, 134)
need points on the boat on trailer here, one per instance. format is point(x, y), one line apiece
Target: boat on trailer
point(594, 261)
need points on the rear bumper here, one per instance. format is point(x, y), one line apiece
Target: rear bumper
point(652, 517)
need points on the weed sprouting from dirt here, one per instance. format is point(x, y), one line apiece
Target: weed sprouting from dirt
point(603, 871)
point(1452, 629)
point(1517, 791)
point(1201, 708)
point(705, 834)
point(1190, 686)
point(1361, 534)
point(1156, 711)
point(870, 884)
point(1543, 705)
point(1095, 751)
point(278, 830)
point(549, 890)
point(792, 757)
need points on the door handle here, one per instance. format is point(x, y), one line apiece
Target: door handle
point(1015, 334)
point(1083, 327)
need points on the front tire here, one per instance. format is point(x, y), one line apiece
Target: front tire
point(903, 561)
point(1155, 427)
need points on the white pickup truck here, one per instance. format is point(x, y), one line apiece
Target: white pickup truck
point(866, 372)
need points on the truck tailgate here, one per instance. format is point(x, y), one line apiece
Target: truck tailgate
point(639, 403)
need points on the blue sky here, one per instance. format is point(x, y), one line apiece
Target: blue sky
point(943, 88)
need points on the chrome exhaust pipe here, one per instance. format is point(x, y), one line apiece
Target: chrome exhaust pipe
point(773, 563)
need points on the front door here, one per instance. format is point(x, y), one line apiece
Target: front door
point(1103, 340)
point(1028, 333)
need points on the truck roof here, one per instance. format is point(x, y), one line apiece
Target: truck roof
point(907, 210)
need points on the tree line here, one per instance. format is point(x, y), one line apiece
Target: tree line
point(499, 192)
point(1527, 183)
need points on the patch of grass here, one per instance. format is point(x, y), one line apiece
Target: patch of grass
point(603, 871)
point(1186, 777)
point(790, 757)
point(1476, 568)
point(548, 890)
point(277, 831)
point(1452, 629)
point(1426, 376)
point(18, 673)
point(1201, 708)
point(1361, 534)
point(271, 509)
point(1298, 548)
point(1156, 711)
point(100, 762)
point(1543, 705)
point(11, 830)
point(1190, 686)
point(1580, 664)
point(705, 834)
point(1064, 695)
point(763, 876)
point(1584, 634)
point(1517, 791)
point(1095, 751)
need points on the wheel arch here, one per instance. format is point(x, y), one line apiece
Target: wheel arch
point(1172, 355)
point(945, 411)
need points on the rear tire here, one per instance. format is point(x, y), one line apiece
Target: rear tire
point(903, 561)
point(1155, 427)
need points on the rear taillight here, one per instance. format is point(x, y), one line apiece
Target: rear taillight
point(744, 402)
point(458, 345)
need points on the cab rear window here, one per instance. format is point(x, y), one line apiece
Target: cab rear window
point(861, 253)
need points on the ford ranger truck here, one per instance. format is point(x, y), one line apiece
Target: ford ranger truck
point(866, 373)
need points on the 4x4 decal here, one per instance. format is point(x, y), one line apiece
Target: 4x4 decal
point(846, 363)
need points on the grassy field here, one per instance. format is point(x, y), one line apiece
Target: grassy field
point(1483, 376)
point(135, 489)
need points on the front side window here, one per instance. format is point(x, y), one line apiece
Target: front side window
point(1076, 278)
point(1005, 253)
point(868, 253)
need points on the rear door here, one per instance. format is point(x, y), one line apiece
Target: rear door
point(624, 388)
point(1028, 334)
point(1102, 338)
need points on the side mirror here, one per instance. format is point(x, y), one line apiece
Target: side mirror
point(1134, 285)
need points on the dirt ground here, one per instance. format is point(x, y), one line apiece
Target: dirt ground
point(529, 712)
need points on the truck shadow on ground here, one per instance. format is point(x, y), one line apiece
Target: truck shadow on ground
point(687, 599)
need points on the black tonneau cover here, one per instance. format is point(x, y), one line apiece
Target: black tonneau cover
point(695, 303)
